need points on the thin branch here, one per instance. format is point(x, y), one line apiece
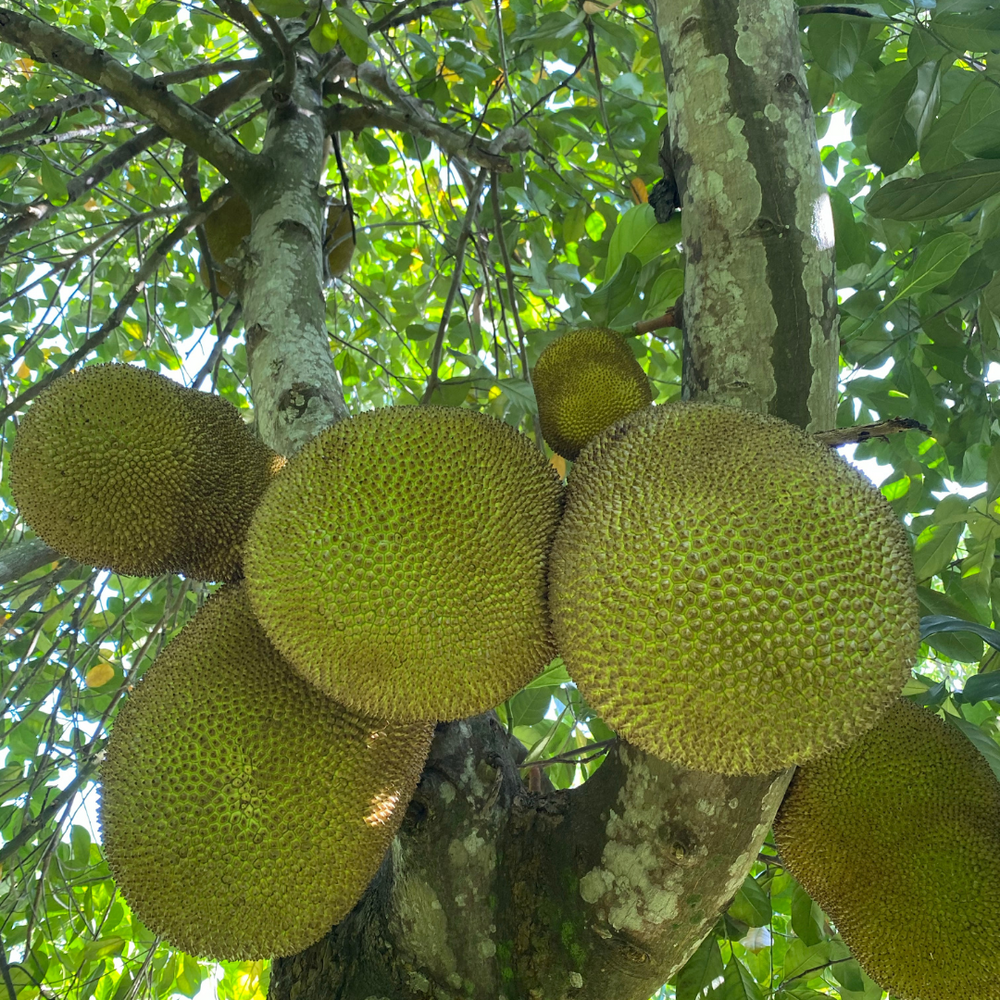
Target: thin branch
point(343, 118)
point(672, 317)
point(212, 104)
point(5, 971)
point(865, 432)
point(179, 119)
point(53, 109)
point(216, 353)
point(282, 89)
point(60, 801)
point(243, 16)
point(833, 8)
point(475, 203)
point(148, 267)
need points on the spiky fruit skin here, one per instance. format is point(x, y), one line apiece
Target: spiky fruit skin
point(584, 382)
point(225, 229)
point(897, 837)
point(339, 239)
point(124, 469)
point(727, 593)
point(243, 812)
point(399, 562)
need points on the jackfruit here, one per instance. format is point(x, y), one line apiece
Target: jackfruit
point(339, 239)
point(228, 226)
point(584, 382)
point(225, 230)
point(243, 812)
point(399, 562)
point(121, 468)
point(897, 837)
point(728, 593)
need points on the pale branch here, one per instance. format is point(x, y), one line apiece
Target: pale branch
point(212, 104)
point(23, 558)
point(244, 17)
point(146, 270)
point(671, 318)
point(47, 138)
point(865, 432)
point(342, 118)
point(182, 121)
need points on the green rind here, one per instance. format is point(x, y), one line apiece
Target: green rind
point(399, 562)
point(243, 812)
point(897, 837)
point(727, 593)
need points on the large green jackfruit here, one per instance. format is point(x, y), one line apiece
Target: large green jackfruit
point(585, 381)
point(243, 812)
point(124, 469)
point(728, 593)
point(399, 561)
point(897, 837)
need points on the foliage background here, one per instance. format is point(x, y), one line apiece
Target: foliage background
point(565, 240)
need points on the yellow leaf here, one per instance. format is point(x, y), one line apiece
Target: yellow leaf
point(559, 464)
point(90, 204)
point(638, 191)
point(495, 391)
point(23, 371)
point(133, 329)
point(99, 675)
point(26, 66)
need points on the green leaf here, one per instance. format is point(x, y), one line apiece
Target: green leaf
point(945, 192)
point(352, 34)
point(700, 970)
point(119, 19)
point(325, 35)
point(282, 8)
point(752, 905)
point(891, 138)
point(53, 183)
point(640, 234)
point(739, 984)
point(374, 150)
point(528, 707)
point(836, 42)
point(807, 917)
point(848, 974)
point(981, 740)
point(935, 264)
point(801, 960)
point(982, 687)
point(105, 947)
point(611, 297)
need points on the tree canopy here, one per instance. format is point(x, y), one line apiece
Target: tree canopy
point(501, 162)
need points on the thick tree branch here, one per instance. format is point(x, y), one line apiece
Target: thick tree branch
point(243, 16)
point(184, 122)
point(23, 558)
point(212, 104)
point(343, 118)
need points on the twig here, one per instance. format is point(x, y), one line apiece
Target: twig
point(283, 87)
point(216, 352)
point(475, 200)
point(146, 270)
point(833, 8)
point(5, 971)
point(404, 13)
point(672, 317)
point(855, 435)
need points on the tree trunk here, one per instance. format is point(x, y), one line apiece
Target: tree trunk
point(602, 892)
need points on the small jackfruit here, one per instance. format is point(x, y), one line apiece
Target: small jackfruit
point(243, 812)
point(339, 239)
point(124, 469)
point(897, 837)
point(225, 230)
point(584, 382)
point(715, 568)
point(399, 560)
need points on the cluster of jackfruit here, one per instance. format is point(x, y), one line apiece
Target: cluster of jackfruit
point(229, 225)
point(416, 564)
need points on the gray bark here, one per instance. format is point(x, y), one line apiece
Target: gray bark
point(760, 303)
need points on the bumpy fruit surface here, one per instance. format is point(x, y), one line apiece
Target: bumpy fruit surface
point(584, 382)
point(399, 561)
point(897, 837)
point(728, 593)
point(124, 469)
point(243, 812)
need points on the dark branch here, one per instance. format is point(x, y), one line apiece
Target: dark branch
point(855, 435)
point(185, 123)
point(243, 16)
point(212, 104)
point(24, 558)
point(405, 14)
